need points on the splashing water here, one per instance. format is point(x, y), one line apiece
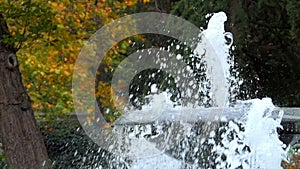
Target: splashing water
point(261, 135)
point(163, 135)
point(215, 34)
point(250, 141)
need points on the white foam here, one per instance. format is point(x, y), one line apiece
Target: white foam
point(259, 134)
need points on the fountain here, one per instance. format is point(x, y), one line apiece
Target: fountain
point(162, 135)
point(250, 141)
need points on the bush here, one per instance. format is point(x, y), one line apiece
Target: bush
point(69, 147)
point(3, 163)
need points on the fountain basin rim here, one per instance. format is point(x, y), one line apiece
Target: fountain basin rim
point(192, 115)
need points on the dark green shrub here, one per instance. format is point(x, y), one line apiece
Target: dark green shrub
point(3, 163)
point(70, 148)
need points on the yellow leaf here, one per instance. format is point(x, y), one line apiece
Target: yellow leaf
point(90, 110)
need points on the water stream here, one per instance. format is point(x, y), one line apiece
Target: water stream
point(164, 136)
point(189, 134)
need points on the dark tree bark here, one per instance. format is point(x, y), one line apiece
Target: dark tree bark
point(23, 143)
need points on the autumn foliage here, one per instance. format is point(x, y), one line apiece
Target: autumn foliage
point(49, 36)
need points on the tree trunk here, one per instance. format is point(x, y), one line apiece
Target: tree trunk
point(23, 143)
